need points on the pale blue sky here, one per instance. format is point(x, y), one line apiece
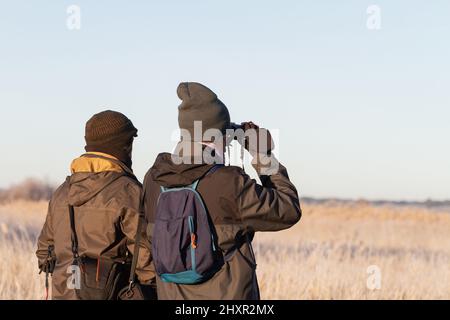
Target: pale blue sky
point(361, 113)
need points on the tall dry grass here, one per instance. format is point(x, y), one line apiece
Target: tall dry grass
point(325, 256)
point(20, 224)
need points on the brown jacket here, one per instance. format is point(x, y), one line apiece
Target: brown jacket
point(107, 211)
point(238, 208)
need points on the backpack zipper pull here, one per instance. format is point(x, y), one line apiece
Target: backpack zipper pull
point(193, 241)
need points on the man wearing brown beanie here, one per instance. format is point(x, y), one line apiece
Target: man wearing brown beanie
point(94, 217)
point(198, 258)
point(111, 133)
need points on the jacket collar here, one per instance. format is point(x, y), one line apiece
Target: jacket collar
point(95, 162)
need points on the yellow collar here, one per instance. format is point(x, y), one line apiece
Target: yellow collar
point(94, 165)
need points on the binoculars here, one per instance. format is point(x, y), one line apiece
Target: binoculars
point(258, 145)
point(236, 126)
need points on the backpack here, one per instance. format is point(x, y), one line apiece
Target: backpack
point(184, 242)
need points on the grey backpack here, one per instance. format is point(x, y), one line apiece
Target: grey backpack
point(184, 242)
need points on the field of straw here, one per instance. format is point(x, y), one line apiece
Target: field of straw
point(330, 254)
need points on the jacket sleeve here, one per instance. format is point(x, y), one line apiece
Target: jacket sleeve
point(272, 206)
point(129, 225)
point(46, 239)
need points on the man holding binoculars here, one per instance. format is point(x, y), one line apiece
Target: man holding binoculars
point(202, 215)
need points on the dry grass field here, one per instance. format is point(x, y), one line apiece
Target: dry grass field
point(326, 256)
point(20, 224)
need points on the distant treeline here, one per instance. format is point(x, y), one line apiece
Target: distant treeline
point(36, 190)
point(425, 204)
point(30, 189)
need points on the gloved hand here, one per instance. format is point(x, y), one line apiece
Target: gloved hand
point(263, 161)
point(253, 143)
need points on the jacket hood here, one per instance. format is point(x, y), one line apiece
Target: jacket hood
point(166, 173)
point(91, 175)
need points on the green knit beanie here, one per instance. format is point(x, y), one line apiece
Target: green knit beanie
point(201, 104)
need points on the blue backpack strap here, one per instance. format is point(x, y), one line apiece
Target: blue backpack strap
point(214, 169)
point(194, 185)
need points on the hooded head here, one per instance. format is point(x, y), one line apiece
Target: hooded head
point(112, 133)
point(199, 103)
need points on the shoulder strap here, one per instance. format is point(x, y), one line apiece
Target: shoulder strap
point(194, 185)
point(74, 237)
point(137, 243)
point(208, 173)
point(214, 169)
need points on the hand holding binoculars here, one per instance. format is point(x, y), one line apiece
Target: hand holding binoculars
point(253, 138)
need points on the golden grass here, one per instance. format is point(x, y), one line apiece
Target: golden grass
point(325, 256)
point(20, 224)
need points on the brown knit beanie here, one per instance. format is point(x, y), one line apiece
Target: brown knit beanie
point(201, 104)
point(111, 132)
